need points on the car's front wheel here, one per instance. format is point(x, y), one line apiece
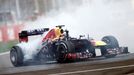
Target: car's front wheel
point(110, 49)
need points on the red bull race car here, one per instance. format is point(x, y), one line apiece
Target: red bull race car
point(57, 45)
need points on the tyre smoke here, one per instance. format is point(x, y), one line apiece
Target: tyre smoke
point(97, 18)
point(30, 49)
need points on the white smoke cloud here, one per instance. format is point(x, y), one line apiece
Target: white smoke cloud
point(30, 48)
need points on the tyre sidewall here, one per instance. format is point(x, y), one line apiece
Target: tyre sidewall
point(17, 51)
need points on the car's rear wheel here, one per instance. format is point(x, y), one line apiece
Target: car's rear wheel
point(16, 56)
point(63, 48)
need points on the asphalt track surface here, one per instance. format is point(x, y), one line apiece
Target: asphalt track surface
point(120, 65)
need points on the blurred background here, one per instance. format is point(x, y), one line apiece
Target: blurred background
point(95, 18)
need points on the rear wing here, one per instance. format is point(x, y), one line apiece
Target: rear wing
point(23, 35)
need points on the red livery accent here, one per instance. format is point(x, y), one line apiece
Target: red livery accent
point(50, 35)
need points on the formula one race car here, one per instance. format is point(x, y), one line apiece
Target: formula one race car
point(65, 49)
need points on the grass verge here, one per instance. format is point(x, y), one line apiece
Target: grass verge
point(5, 46)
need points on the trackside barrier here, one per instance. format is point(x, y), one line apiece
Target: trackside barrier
point(9, 33)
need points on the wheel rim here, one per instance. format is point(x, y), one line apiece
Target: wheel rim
point(13, 57)
point(61, 53)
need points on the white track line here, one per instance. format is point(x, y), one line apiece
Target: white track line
point(4, 53)
point(101, 69)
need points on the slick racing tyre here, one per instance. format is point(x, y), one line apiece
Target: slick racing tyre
point(63, 48)
point(112, 43)
point(16, 56)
